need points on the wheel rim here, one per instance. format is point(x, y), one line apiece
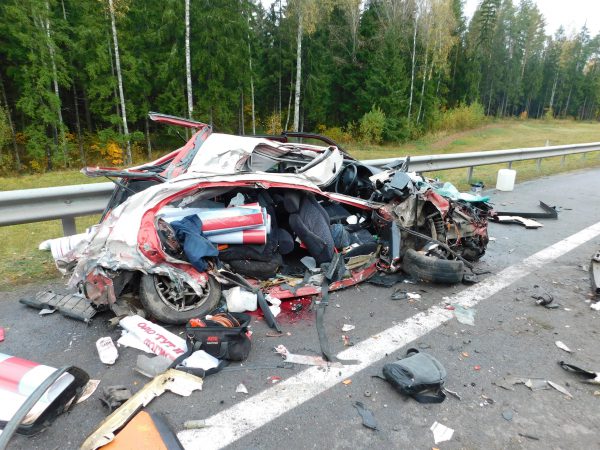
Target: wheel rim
point(175, 299)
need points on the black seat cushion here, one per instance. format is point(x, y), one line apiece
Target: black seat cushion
point(311, 224)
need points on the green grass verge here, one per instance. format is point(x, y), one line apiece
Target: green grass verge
point(21, 262)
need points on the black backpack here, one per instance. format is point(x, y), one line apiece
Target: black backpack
point(415, 374)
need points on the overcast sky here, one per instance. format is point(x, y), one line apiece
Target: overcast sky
point(572, 14)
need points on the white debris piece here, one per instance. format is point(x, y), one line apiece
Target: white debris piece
point(128, 339)
point(559, 388)
point(308, 360)
point(240, 300)
point(274, 305)
point(241, 389)
point(441, 433)
point(413, 296)
point(348, 327)
point(200, 360)
point(595, 306)
point(106, 350)
point(159, 340)
point(562, 346)
point(88, 390)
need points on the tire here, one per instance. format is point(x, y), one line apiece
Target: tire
point(160, 299)
point(432, 269)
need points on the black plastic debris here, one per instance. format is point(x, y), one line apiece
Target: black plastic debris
point(75, 306)
point(418, 375)
point(550, 212)
point(545, 299)
point(388, 279)
point(367, 416)
point(588, 375)
point(115, 396)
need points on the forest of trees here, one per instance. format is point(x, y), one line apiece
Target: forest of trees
point(78, 77)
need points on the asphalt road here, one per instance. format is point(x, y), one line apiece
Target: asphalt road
point(511, 336)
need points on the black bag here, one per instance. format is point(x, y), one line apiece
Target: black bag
point(417, 373)
point(222, 342)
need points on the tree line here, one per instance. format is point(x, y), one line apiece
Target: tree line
point(78, 77)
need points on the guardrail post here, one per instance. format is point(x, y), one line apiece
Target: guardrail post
point(68, 224)
point(562, 160)
point(510, 164)
point(470, 174)
point(538, 164)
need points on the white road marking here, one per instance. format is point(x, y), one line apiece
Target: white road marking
point(245, 417)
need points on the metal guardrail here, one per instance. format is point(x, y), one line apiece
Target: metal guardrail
point(62, 202)
point(68, 202)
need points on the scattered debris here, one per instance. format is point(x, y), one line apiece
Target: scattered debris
point(550, 212)
point(347, 328)
point(507, 415)
point(1, 334)
point(590, 377)
point(477, 367)
point(274, 379)
point(536, 384)
point(347, 381)
point(152, 366)
point(527, 223)
point(595, 306)
point(486, 400)
point(418, 375)
point(506, 383)
point(560, 389)
point(46, 311)
point(545, 299)
point(240, 300)
point(106, 350)
point(346, 340)
point(195, 424)
point(115, 396)
point(150, 337)
point(367, 393)
point(178, 382)
point(562, 346)
point(200, 360)
point(241, 389)
point(453, 393)
point(529, 436)
point(88, 390)
point(75, 306)
point(304, 359)
point(464, 315)
point(595, 273)
point(368, 419)
point(441, 433)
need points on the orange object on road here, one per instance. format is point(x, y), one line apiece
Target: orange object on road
point(147, 431)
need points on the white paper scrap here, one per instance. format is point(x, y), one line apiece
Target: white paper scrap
point(441, 433)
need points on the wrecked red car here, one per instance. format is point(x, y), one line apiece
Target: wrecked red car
point(274, 214)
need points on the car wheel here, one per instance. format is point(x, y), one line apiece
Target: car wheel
point(162, 300)
point(430, 268)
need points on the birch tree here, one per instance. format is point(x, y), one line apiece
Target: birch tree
point(307, 13)
point(61, 125)
point(188, 62)
point(111, 8)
